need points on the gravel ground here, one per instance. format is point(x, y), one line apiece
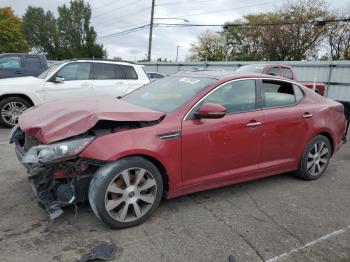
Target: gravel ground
point(279, 218)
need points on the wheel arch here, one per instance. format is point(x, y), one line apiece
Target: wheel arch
point(160, 167)
point(330, 139)
point(25, 97)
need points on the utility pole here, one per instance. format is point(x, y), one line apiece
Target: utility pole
point(149, 54)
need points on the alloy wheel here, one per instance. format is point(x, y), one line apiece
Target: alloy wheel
point(318, 158)
point(11, 112)
point(130, 194)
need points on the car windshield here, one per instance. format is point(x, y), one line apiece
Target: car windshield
point(169, 93)
point(250, 69)
point(44, 74)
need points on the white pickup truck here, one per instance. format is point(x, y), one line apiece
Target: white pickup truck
point(76, 78)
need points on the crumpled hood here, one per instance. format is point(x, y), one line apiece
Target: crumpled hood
point(54, 121)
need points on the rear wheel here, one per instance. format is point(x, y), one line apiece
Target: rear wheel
point(126, 193)
point(315, 159)
point(10, 110)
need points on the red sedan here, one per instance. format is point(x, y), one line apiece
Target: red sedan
point(181, 134)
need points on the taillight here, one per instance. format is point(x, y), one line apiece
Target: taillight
point(339, 108)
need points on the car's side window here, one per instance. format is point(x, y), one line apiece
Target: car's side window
point(274, 71)
point(75, 71)
point(10, 62)
point(32, 62)
point(278, 93)
point(299, 95)
point(129, 72)
point(103, 71)
point(287, 73)
point(236, 96)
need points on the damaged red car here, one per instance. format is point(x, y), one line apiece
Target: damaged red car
point(189, 132)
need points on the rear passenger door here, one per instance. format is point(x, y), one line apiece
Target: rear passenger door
point(109, 79)
point(285, 127)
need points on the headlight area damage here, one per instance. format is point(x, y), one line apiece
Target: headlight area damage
point(50, 138)
point(59, 177)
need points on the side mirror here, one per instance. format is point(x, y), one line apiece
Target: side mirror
point(58, 79)
point(211, 110)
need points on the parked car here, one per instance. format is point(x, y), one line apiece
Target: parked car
point(77, 78)
point(19, 64)
point(181, 134)
point(282, 71)
point(154, 75)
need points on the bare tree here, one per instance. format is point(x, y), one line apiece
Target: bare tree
point(209, 47)
point(339, 39)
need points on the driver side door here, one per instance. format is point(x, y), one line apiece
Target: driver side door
point(217, 151)
point(77, 82)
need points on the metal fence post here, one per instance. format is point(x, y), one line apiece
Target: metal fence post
point(329, 77)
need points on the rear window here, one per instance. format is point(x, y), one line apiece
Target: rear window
point(129, 72)
point(274, 71)
point(287, 73)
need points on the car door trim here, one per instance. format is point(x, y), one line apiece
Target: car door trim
point(170, 135)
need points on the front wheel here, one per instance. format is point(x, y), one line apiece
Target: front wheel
point(315, 158)
point(10, 110)
point(125, 193)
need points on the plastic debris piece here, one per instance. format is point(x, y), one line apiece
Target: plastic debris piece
point(231, 258)
point(103, 252)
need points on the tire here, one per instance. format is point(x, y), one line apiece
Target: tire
point(125, 193)
point(10, 109)
point(315, 159)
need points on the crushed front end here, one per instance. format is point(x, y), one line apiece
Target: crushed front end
point(57, 175)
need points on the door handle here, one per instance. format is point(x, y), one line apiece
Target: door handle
point(307, 115)
point(19, 72)
point(254, 124)
point(84, 84)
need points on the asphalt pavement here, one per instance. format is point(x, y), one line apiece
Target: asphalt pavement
point(279, 218)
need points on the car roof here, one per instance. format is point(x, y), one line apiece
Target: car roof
point(265, 64)
point(220, 74)
point(108, 61)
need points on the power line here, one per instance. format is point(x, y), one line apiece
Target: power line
point(131, 30)
point(125, 14)
point(117, 8)
point(105, 5)
point(320, 23)
point(316, 22)
point(230, 9)
point(183, 3)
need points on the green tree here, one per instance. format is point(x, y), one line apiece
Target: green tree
point(11, 37)
point(78, 37)
point(68, 36)
point(40, 30)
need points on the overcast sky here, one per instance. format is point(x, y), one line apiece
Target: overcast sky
point(110, 17)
